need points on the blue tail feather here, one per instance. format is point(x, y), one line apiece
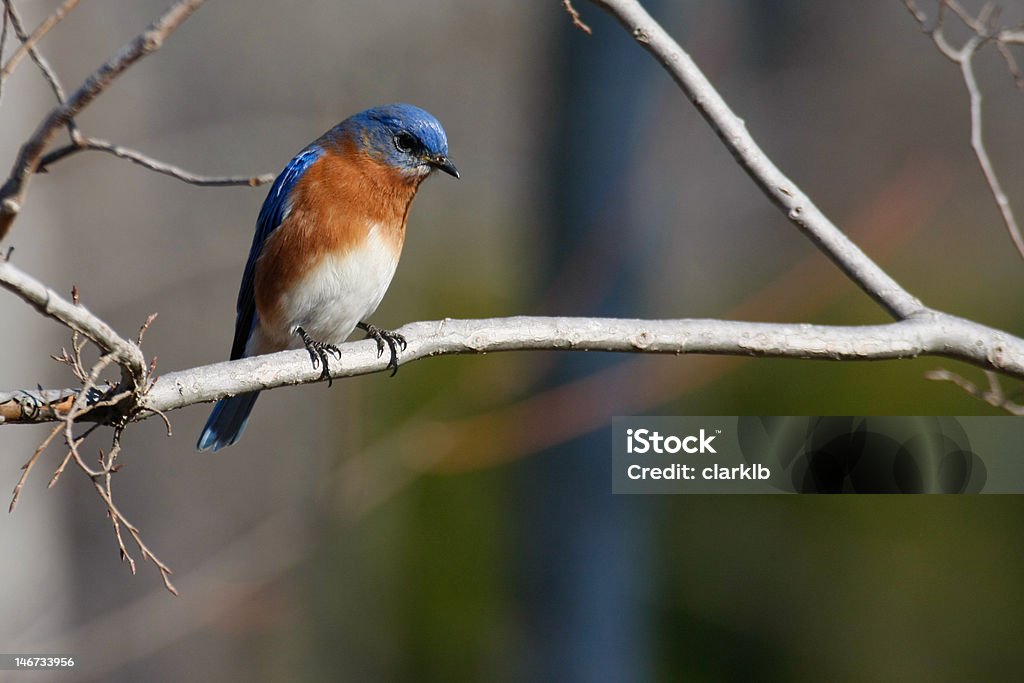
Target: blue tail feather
point(226, 422)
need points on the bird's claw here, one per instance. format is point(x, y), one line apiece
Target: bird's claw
point(393, 340)
point(318, 352)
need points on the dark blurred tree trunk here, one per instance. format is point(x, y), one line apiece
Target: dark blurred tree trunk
point(585, 552)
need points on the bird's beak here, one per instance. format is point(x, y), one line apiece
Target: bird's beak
point(443, 163)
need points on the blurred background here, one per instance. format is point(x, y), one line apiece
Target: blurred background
point(456, 522)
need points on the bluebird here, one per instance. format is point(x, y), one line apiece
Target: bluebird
point(327, 244)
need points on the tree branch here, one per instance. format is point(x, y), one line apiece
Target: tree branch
point(782, 191)
point(29, 43)
point(75, 316)
point(984, 33)
point(12, 194)
point(82, 144)
point(934, 334)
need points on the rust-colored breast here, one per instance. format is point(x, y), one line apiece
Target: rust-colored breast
point(335, 204)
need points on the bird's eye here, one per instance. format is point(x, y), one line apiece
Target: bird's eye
point(405, 142)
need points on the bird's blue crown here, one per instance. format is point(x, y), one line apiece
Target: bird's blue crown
point(401, 135)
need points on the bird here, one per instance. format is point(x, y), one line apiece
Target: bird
point(327, 243)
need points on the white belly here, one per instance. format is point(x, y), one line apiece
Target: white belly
point(341, 291)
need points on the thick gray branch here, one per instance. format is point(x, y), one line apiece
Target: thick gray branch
point(75, 316)
point(780, 189)
point(931, 334)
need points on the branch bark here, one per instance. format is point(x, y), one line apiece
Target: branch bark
point(76, 316)
point(934, 333)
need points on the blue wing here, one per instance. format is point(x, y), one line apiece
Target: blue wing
point(275, 207)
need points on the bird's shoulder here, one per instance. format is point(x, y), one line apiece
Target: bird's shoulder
point(276, 205)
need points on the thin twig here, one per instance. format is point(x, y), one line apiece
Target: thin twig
point(27, 467)
point(107, 467)
point(82, 144)
point(12, 193)
point(981, 152)
point(44, 66)
point(5, 18)
point(916, 12)
point(67, 457)
point(1011, 64)
point(575, 16)
point(60, 469)
point(783, 192)
point(993, 396)
point(983, 27)
point(125, 555)
point(29, 43)
point(145, 326)
point(147, 554)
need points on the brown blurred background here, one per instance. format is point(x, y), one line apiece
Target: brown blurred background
point(456, 522)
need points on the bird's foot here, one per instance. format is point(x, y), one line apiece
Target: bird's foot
point(318, 352)
point(382, 337)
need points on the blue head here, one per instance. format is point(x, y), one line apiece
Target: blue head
point(402, 136)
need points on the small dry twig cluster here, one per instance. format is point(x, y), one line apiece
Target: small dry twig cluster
point(119, 398)
point(985, 29)
point(97, 394)
point(33, 157)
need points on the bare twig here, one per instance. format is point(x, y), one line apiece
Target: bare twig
point(147, 554)
point(77, 317)
point(48, 73)
point(144, 327)
point(981, 152)
point(994, 395)
point(101, 478)
point(985, 32)
point(1011, 64)
point(782, 191)
point(916, 12)
point(27, 467)
point(4, 25)
point(82, 144)
point(575, 16)
point(29, 43)
point(67, 456)
point(12, 194)
point(59, 471)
